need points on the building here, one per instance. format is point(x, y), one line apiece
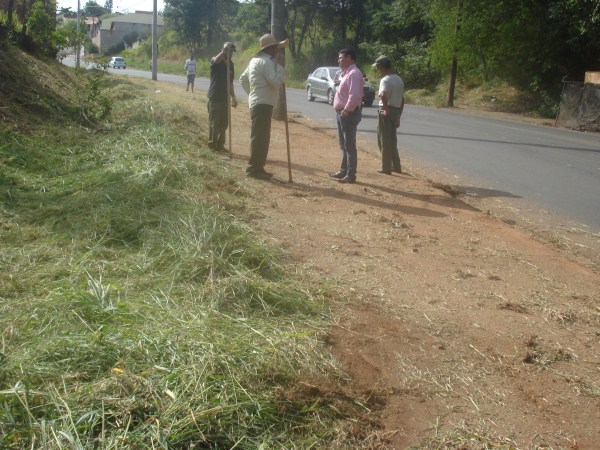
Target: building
point(127, 28)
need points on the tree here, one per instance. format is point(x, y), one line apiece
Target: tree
point(43, 29)
point(579, 22)
point(300, 17)
point(253, 18)
point(197, 22)
point(401, 20)
point(93, 9)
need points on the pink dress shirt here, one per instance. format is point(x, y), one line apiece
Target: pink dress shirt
point(349, 93)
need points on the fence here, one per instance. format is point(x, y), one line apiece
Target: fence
point(579, 107)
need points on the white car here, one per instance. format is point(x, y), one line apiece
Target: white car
point(116, 62)
point(320, 84)
point(323, 82)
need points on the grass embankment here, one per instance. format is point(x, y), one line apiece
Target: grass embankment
point(137, 307)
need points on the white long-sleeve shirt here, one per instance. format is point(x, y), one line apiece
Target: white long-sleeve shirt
point(262, 80)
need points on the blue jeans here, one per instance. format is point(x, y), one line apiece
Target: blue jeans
point(347, 140)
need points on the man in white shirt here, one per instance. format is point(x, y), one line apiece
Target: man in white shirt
point(262, 80)
point(190, 67)
point(391, 105)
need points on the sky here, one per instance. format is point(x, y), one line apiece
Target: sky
point(123, 6)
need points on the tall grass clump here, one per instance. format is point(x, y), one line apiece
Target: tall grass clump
point(137, 308)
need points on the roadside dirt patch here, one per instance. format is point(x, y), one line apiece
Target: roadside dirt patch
point(468, 331)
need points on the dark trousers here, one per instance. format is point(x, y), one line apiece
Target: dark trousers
point(387, 140)
point(217, 124)
point(260, 137)
point(347, 139)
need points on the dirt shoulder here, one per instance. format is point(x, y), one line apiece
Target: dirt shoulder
point(456, 326)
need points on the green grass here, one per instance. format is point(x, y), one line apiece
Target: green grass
point(138, 309)
point(166, 65)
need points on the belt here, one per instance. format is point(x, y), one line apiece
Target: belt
point(339, 111)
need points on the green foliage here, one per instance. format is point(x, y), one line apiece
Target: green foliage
point(533, 45)
point(411, 60)
point(116, 49)
point(401, 21)
point(42, 29)
point(93, 9)
point(98, 104)
point(90, 48)
point(197, 22)
point(253, 18)
point(133, 37)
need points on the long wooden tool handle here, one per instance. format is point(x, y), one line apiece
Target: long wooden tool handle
point(229, 101)
point(287, 134)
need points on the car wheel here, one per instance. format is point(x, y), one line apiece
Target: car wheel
point(311, 98)
point(330, 95)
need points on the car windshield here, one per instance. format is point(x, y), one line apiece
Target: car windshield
point(332, 71)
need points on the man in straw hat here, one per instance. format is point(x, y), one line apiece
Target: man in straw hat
point(218, 119)
point(262, 80)
point(391, 105)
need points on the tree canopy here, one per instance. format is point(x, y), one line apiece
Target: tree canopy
point(533, 44)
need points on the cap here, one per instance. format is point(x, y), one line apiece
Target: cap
point(383, 61)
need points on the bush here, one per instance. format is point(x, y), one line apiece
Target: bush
point(411, 60)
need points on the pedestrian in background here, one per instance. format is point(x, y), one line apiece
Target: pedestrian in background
point(391, 105)
point(262, 80)
point(218, 119)
point(348, 107)
point(190, 67)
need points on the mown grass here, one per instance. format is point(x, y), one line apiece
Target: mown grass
point(138, 309)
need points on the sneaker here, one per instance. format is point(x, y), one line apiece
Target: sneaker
point(338, 175)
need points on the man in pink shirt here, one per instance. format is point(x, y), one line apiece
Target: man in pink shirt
point(347, 104)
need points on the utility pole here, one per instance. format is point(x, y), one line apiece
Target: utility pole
point(78, 47)
point(278, 18)
point(154, 39)
point(454, 66)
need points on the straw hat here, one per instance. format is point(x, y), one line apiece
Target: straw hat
point(268, 40)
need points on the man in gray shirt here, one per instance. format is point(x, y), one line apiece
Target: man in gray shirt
point(391, 105)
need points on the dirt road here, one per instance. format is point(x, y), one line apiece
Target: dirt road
point(461, 324)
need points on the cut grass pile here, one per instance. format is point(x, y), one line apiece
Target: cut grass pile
point(137, 307)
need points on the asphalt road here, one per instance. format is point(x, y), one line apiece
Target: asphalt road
point(541, 168)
